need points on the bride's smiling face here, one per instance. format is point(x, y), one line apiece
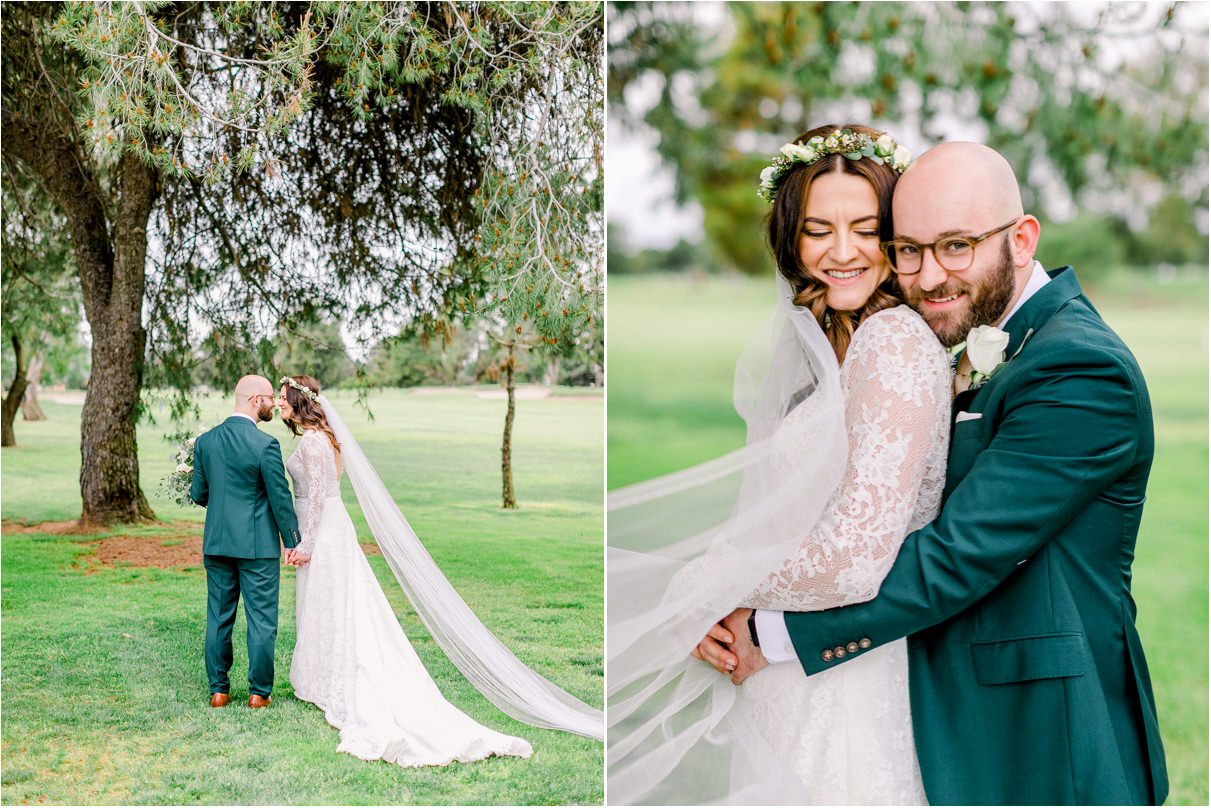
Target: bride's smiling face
point(839, 241)
point(287, 410)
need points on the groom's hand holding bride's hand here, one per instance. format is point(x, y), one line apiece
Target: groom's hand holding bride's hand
point(296, 559)
point(729, 649)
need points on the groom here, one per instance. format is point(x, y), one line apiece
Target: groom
point(239, 478)
point(1027, 676)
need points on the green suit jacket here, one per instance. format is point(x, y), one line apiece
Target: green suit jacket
point(1028, 681)
point(239, 478)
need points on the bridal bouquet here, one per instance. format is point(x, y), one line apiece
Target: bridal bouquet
point(176, 484)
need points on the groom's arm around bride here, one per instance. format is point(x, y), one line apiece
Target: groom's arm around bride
point(1027, 676)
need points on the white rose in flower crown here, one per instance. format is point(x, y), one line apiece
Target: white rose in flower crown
point(901, 157)
point(767, 177)
point(986, 348)
point(885, 145)
point(793, 151)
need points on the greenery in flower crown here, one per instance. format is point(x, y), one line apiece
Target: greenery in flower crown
point(307, 391)
point(854, 145)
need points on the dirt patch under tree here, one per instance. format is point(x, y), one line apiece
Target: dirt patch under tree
point(181, 546)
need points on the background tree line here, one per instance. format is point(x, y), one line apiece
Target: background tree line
point(1101, 108)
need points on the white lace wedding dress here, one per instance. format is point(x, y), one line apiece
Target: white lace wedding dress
point(847, 732)
point(351, 657)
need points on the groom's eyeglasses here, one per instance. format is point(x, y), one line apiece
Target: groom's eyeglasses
point(953, 253)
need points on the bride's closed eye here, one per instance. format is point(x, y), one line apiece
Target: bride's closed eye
point(824, 233)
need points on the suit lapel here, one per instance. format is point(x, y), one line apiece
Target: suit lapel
point(1027, 320)
point(1036, 311)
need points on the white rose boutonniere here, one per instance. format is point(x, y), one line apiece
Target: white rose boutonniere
point(986, 351)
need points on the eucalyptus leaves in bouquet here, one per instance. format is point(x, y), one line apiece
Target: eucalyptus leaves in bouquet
point(176, 484)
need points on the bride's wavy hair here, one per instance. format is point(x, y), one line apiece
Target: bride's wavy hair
point(785, 226)
point(307, 413)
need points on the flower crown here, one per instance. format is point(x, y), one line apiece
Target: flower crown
point(854, 145)
point(311, 394)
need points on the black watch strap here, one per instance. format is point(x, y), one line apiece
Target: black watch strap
point(752, 629)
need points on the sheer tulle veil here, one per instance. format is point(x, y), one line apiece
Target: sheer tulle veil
point(685, 549)
point(483, 659)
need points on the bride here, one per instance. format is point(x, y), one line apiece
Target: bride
point(351, 657)
point(846, 395)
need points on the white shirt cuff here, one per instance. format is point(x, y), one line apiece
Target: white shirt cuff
point(774, 638)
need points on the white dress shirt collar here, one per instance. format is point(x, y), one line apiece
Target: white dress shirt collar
point(1038, 279)
point(244, 415)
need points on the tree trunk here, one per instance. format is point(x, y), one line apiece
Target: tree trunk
point(112, 281)
point(109, 458)
point(506, 451)
point(551, 377)
point(30, 409)
point(9, 409)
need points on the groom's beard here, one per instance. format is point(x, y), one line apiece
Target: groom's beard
point(987, 301)
point(265, 412)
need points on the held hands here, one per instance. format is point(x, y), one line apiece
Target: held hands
point(729, 649)
point(296, 559)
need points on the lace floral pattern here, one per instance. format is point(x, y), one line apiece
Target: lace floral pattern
point(312, 466)
point(351, 657)
point(896, 381)
point(847, 732)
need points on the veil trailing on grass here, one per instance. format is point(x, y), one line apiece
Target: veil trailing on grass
point(475, 651)
point(685, 549)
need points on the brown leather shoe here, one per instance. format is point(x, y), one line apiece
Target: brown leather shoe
point(255, 701)
point(219, 699)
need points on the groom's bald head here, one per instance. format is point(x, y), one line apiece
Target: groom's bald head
point(253, 385)
point(254, 397)
point(968, 191)
point(959, 179)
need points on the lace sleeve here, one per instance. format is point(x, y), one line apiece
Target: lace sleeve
point(897, 385)
point(313, 449)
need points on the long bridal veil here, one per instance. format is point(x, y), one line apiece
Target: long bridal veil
point(475, 651)
point(685, 549)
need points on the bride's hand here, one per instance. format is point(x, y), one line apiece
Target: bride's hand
point(749, 656)
point(714, 651)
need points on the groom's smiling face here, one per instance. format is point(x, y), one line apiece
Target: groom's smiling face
point(953, 303)
point(963, 191)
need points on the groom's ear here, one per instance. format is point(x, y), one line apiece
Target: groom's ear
point(1025, 241)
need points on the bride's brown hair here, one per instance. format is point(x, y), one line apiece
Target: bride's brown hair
point(307, 413)
point(785, 226)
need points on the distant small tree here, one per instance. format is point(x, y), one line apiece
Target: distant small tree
point(1171, 235)
point(1093, 243)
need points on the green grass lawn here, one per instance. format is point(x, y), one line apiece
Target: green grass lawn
point(104, 690)
point(672, 343)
